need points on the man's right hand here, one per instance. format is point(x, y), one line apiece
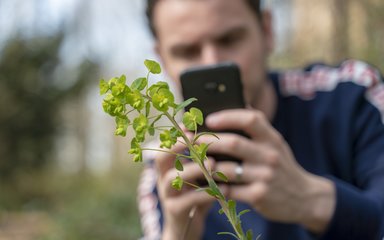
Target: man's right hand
point(177, 205)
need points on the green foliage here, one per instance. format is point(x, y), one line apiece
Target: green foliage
point(200, 153)
point(121, 100)
point(30, 99)
point(140, 125)
point(139, 84)
point(167, 140)
point(136, 150)
point(184, 104)
point(193, 118)
point(177, 183)
point(121, 125)
point(222, 176)
point(152, 66)
point(75, 206)
point(178, 164)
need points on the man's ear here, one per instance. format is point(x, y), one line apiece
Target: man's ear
point(267, 28)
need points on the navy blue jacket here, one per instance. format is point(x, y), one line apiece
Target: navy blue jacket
point(333, 120)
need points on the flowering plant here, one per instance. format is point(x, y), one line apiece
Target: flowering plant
point(122, 101)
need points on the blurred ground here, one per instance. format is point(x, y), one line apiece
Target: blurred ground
point(71, 207)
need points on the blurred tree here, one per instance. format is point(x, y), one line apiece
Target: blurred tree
point(340, 30)
point(373, 48)
point(30, 97)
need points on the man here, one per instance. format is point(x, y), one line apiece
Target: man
point(313, 167)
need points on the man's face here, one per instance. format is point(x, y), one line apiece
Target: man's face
point(199, 32)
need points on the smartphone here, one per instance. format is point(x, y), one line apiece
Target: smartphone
point(216, 87)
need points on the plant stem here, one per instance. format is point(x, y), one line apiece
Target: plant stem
point(208, 176)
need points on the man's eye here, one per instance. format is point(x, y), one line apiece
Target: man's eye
point(187, 53)
point(229, 39)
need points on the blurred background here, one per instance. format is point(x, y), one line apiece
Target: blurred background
point(63, 174)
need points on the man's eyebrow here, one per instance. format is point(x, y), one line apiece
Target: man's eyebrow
point(182, 47)
point(232, 32)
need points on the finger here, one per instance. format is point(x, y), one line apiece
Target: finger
point(250, 172)
point(234, 145)
point(252, 122)
point(164, 161)
point(250, 193)
point(184, 202)
point(191, 173)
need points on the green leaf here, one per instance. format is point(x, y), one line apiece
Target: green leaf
point(166, 139)
point(107, 107)
point(112, 82)
point(198, 135)
point(122, 79)
point(179, 165)
point(121, 125)
point(140, 125)
point(163, 99)
point(136, 150)
point(139, 84)
point(152, 66)
point(113, 106)
point(210, 192)
point(249, 234)
point(118, 89)
point(147, 108)
point(214, 190)
point(104, 87)
point(201, 151)
point(221, 211)
point(151, 130)
point(243, 212)
point(192, 118)
point(232, 209)
point(183, 105)
point(177, 183)
point(175, 133)
point(136, 100)
point(156, 87)
point(198, 115)
point(222, 176)
point(227, 233)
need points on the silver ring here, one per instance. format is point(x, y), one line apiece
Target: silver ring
point(239, 173)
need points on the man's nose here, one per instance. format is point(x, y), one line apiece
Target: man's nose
point(210, 55)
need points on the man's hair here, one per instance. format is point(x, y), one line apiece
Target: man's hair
point(253, 4)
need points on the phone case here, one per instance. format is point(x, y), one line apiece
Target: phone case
point(216, 87)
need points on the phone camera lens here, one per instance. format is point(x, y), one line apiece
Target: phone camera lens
point(222, 88)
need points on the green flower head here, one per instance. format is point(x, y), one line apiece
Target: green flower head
point(136, 150)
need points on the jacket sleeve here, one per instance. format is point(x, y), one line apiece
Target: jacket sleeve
point(359, 212)
point(148, 204)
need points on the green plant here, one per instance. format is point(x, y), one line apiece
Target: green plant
point(121, 100)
